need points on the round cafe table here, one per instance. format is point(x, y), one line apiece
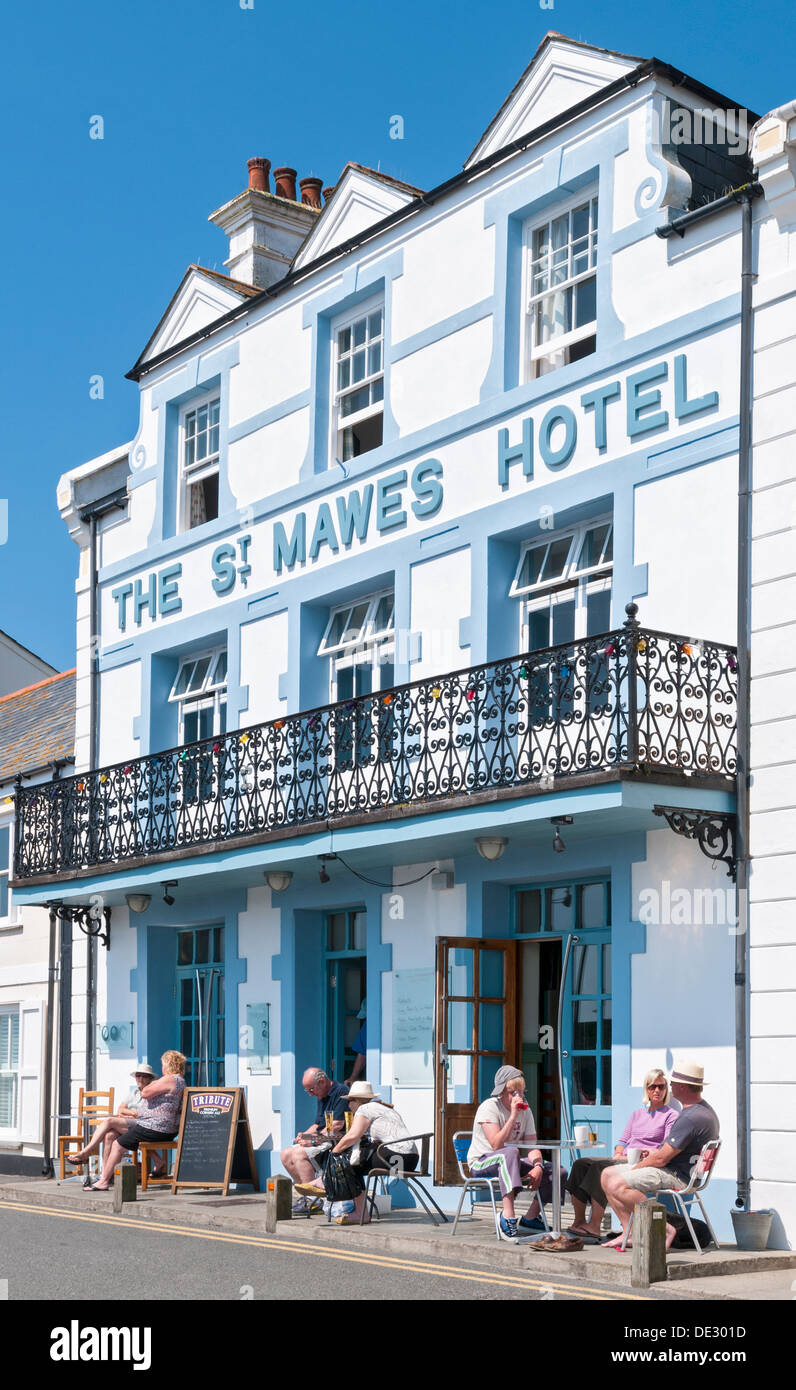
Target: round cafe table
point(556, 1146)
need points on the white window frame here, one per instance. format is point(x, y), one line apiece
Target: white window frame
point(570, 582)
point(340, 422)
point(533, 352)
point(198, 469)
point(10, 919)
point(368, 645)
point(9, 1010)
point(212, 693)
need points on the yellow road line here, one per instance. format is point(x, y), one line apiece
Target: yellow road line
point(327, 1252)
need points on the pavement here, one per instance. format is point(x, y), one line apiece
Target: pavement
point(724, 1274)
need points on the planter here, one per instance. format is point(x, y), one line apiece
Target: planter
point(752, 1229)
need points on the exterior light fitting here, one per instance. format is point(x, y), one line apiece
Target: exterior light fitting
point(558, 843)
point(323, 875)
point(138, 902)
point(167, 896)
point(491, 847)
point(278, 879)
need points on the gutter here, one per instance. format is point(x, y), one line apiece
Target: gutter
point(651, 67)
point(744, 197)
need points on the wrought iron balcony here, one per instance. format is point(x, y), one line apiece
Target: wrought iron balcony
point(629, 702)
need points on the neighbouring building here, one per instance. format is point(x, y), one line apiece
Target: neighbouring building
point(407, 635)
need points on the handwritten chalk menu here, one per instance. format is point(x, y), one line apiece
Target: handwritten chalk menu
point(214, 1145)
point(413, 1027)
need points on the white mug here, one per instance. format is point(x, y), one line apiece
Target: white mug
point(633, 1157)
point(581, 1135)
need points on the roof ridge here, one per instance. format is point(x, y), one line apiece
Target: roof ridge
point(59, 676)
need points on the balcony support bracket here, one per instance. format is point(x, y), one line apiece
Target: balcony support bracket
point(92, 919)
point(714, 832)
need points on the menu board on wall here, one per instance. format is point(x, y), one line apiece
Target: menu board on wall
point(413, 1028)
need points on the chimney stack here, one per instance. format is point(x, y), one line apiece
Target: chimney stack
point(311, 192)
point(265, 230)
point(285, 183)
point(258, 173)
point(327, 193)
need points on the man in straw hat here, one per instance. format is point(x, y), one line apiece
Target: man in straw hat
point(668, 1167)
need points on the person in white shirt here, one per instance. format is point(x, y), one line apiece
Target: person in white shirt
point(500, 1124)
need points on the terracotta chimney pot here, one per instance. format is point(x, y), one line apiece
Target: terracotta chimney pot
point(327, 193)
point(311, 192)
point(258, 173)
point(285, 183)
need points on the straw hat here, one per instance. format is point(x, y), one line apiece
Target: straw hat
point(144, 1067)
point(361, 1090)
point(689, 1072)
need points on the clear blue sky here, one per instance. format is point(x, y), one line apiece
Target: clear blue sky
point(97, 234)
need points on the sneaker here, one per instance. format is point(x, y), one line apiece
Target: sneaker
point(508, 1227)
point(532, 1223)
point(301, 1207)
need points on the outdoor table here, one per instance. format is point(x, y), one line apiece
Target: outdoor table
point(556, 1145)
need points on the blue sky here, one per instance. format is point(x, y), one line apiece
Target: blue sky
point(96, 234)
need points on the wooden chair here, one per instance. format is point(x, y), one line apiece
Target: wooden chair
point(383, 1170)
point(92, 1108)
point(146, 1150)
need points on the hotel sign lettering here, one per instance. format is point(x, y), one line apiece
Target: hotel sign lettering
point(647, 400)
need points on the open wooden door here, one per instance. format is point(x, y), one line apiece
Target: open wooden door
point(476, 1032)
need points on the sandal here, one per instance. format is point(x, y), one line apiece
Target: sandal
point(77, 1158)
point(350, 1221)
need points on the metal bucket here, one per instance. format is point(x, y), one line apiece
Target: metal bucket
point(752, 1229)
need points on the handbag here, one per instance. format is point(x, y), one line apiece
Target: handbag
point(341, 1182)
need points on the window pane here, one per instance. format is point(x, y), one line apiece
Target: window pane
point(580, 221)
point(186, 997)
point(490, 1025)
point(183, 677)
point(586, 302)
point(592, 905)
point(374, 359)
point(186, 1038)
point(460, 1026)
point(345, 683)
point(8, 1107)
point(584, 970)
point(360, 928)
point(491, 976)
point(218, 943)
point(184, 948)
point(9, 1040)
point(190, 451)
point(557, 558)
point(202, 947)
point(377, 391)
point(606, 983)
point(584, 1033)
point(607, 1021)
point(344, 341)
point(539, 629)
point(532, 565)
point(605, 1085)
point(384, 616)
point(529, 911)
point(592, 547)
point(337, 931)
point(219, 676)
point(374, 324)
point(559, 909)
point(356, 623)
point(213, 440)
point(358, 370)
point(598, 611)
point(344, 374)
point(198, 675)
point(359, 331)
point(4, 891)
point(584, 1080)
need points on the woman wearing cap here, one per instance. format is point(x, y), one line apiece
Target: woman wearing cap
point(379, 1121)
point(157, 1119)
point(500, 1124)
point(646, 1129)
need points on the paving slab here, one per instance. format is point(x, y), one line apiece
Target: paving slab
point(725, 1273)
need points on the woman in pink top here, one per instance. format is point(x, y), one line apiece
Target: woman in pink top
point(646, 1129)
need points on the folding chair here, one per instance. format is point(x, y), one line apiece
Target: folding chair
point(92, 1108)
point(382, 1170)
point(700, 1177)
point(461, 1143)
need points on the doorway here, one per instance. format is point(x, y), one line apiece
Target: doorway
point(199, 992)
point(345, 971)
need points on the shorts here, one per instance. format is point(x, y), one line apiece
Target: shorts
point(139, 1134)
point(653, 1180)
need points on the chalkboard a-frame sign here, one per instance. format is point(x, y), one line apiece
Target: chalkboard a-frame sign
point(214, 1145)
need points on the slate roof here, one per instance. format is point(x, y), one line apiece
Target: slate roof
point(37, 725)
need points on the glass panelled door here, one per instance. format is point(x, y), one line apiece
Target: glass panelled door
point(476, 1032)
point(346, 976)
point(200, 1004)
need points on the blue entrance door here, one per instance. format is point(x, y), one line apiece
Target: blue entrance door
point(200, 1004)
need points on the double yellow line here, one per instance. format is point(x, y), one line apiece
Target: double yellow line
point(329, 1253)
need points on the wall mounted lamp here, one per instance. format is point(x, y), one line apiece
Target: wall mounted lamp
point(491, 847)
point(278, 879)
point(138, 902)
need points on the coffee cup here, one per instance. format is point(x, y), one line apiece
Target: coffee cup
point(581, 1135)
point(633, 1157)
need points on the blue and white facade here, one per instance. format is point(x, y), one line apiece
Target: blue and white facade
point(393, 486)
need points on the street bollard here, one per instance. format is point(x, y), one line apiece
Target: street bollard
point(649, 1245)
point(124, 1185)
point(278, 1201)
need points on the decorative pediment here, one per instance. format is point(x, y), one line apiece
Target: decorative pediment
point(202, 297)
point(361, 198)
point(561, 73)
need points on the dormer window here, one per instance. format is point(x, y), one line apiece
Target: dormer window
point(199, 491)
point(358, 381)
point(561, 288)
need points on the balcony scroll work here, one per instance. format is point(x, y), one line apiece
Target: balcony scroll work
point(631, 702)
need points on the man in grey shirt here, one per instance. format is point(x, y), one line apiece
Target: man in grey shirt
point(668, 1167)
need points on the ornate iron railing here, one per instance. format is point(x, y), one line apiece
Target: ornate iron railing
point(626, 700)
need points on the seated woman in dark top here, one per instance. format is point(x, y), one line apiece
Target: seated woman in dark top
point(158, 1119)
